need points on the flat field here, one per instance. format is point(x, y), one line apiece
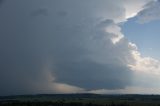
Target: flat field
point(80, 100)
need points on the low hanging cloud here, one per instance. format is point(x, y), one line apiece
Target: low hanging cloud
point(1, 1)
point(90, 61)
point(150, 12)
point(40, 11)
point(77, 47)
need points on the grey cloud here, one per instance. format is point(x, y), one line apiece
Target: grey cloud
point(62, 13)
point(94, 64)
point(80, 51)
point(150, 13)
point(1, 1)
point(91, 75)
point(40, 11)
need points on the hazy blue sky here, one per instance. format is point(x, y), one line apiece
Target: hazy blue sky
point(146, 36)
point(75, 46)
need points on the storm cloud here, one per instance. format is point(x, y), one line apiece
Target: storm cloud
point(50, 45)
point(150, 12)
point(1, 1)
point(40, 11)
point(89, 61)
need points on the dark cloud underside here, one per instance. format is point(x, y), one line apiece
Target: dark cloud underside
point(71, 39)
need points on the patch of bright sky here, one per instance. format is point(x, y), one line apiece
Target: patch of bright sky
point(146, 36)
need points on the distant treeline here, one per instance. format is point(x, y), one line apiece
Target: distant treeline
point(57, 104)
point(80, 100)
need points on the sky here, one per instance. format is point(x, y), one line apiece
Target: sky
point(146, 36)
point(79, 46)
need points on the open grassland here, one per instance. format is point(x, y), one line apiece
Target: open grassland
point(80, 100)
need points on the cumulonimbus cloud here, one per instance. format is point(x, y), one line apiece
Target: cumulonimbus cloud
point(78, 45)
